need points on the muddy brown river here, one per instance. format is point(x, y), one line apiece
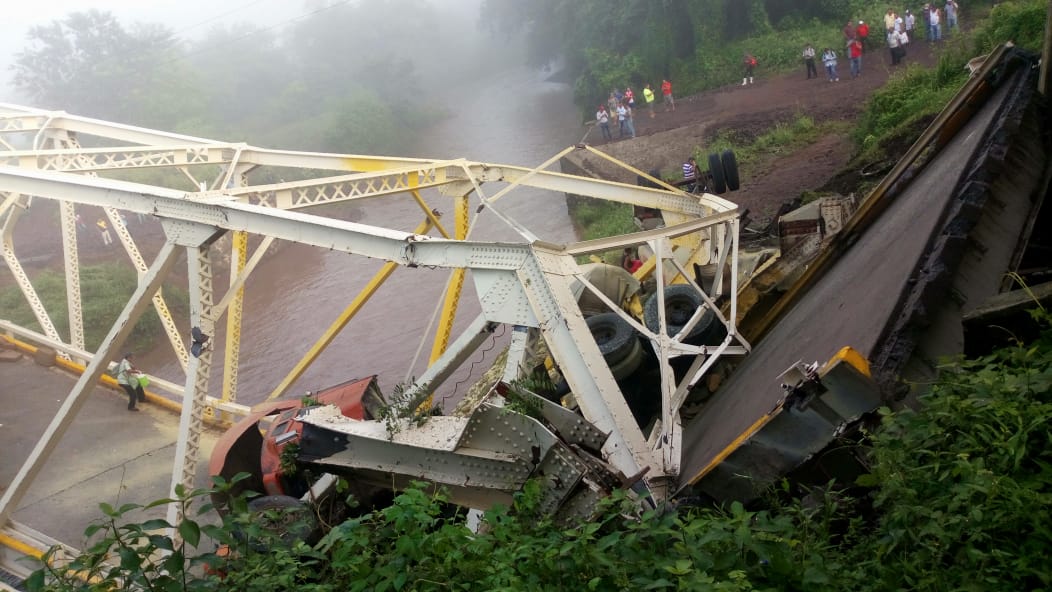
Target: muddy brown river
point(513, 117)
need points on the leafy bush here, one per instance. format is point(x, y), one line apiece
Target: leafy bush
point(957, 488)
point(958, 481)
point(1022, 22)
point(917, 93)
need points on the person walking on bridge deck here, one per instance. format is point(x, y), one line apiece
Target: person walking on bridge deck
point(130, 379)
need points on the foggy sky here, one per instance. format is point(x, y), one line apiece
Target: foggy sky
point(189, 19)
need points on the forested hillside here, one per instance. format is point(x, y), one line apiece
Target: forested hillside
point(698, 44)
point(346, 77)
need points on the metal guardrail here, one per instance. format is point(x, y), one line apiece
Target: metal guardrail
point(30, 341)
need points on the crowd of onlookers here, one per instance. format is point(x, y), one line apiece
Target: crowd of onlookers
point(898, 30)
point(620, 108)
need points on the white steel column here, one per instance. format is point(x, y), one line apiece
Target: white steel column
point(546, 279)
point(113, 342)
point(187, 448)
point(8, 246)
point(72, 266)
point(159, 304)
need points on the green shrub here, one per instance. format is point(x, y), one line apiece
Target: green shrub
point(956, 498)
point(1022, 22)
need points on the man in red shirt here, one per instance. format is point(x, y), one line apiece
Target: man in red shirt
point(854, 51)
point(666, 91)
point(862, 32)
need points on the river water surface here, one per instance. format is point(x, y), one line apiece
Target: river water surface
point(512, 117)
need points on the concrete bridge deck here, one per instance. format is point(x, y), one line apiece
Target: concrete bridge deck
point(109, 455)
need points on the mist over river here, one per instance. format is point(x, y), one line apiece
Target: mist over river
point(513, 116)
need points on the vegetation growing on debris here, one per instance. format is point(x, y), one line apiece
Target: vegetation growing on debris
point(104, 289)
point(952, 502)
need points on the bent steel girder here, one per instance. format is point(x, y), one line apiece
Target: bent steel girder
point(525, 284)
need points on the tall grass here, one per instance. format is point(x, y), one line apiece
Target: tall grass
point(104, 289)
point(917, 93)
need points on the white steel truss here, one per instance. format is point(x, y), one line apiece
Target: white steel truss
point(524, 284)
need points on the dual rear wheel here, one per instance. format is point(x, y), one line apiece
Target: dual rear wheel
point(723, 169)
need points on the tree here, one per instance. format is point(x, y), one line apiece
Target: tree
point(89, 64)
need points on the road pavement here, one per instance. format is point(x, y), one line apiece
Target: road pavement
point(109, 454)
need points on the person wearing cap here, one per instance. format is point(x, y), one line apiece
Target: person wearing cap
point(911, 23)
point(862, 32)
point(130, 379)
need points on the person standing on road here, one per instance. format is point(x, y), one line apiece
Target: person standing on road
point(648, 97)
point(129, 377)
point(630, 123)
point(951, 10)
point(935, 17)
point(889, 20)
point(602, 117)
point(911, 22)
point(926, 15)
point(809, 61)
point(894, 48)
point(855, 53)
point(104, 232)
point(749, 61)
point(849, 32)
point(622, 111)
point(630, 97)
point(829, 61)
point(666, 92)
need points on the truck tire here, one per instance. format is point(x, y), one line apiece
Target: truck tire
point(681, 300)
point(630, 363)
point(614, 336)
point(730, 170)
point(286, 518)
point(719, 182)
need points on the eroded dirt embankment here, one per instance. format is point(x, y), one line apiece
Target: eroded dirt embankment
point(666, 140)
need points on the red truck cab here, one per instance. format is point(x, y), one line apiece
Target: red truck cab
point(255, 444)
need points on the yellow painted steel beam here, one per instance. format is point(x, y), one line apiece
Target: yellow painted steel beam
point(231, 362)
point(341, 321)
point(736, 443)
point(456, 284)
point(19, 546)
point(432, 215)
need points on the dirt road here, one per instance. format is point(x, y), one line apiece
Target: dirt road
point(663, 142)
